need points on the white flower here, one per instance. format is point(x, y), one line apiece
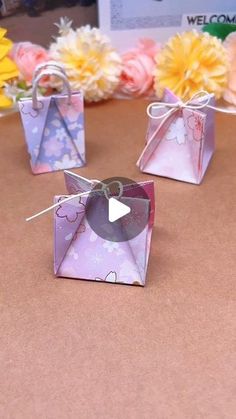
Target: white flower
point(36, 150)
point(60, 134)
point(64, 25)
point(177, 131)
point(96, 258)
point(93, 236)
point(73, 253)
point(110, 246)
point(90, 62)
point(119, 252)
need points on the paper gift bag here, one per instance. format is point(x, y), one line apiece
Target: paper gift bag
point(54, 126)
point(180, 138)
point(80, 253)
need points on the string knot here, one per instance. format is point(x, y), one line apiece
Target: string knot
point(169, 107)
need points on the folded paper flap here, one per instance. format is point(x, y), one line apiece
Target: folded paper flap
point(136, 190)
point(75, 183)
point(194, 123)
point(34, 124)
point(91, 257)
point(73, 120)
point(71, 225)
point(155, 139)
point(68, 218)
point(153, 124)
point(169, 96)
point(140, 209)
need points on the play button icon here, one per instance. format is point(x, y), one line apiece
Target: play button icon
point(116, 210)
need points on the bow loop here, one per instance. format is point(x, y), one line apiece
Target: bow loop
point(193, 103)
point(198, 101)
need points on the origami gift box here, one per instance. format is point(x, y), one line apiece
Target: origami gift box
point(180, 139)
point(54, 127)
point(80, 253)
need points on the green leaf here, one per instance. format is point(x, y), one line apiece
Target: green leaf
point(20, 96)
point(220, 30)
point(22, 85)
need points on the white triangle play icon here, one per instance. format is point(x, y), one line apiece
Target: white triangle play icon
point(117, 210)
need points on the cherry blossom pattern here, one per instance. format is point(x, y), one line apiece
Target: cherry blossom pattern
point(70, 212)
point(110, 277)
point(52, 147)
point(93, 236)
point(177, 131)
point(66, 161)
point(72, 110)
point(41, 168)
point(60, 134)
point(73, 253)
point(195, 123)
point(80, 230)
point(96, 258)
point(110, 246)
point(29, 110)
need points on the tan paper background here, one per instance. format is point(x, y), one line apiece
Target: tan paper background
point(77, 349)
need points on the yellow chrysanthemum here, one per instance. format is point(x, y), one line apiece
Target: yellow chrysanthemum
point(8, 69)
point(90, 62)
point(190, 62)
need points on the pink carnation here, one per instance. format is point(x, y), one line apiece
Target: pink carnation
point(27, 56)
point(138, 66)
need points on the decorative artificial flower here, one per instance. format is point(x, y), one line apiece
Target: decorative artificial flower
point(137, 69)
point(27, 56)
point(8, 69)
point(90, 62)
point(64, 26)
point(17, 90)
point(230, 45)
point(190, 62)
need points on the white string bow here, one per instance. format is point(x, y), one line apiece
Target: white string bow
point(188, 104)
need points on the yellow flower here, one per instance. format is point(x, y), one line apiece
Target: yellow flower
point(190, 62)
point(230, 45)
point(90, 62)
point(8, 69)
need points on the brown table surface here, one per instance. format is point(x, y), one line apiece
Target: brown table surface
point(79, 349)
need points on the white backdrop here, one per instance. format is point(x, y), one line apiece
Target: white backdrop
point(127, 20)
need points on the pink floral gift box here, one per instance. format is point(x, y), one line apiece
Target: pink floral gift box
point(79, 252)
point(180, 138)
point(54, 128)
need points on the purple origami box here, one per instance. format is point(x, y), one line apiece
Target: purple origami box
point(81, 253)
point(180, 140)
point(54, 126)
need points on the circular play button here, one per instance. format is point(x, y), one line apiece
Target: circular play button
point(117, 209)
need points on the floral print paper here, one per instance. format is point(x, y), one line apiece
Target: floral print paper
point(54, 133)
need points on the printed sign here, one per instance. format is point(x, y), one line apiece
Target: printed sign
point(127, 20)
